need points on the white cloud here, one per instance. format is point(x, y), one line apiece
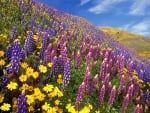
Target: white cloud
point(142, 27)
point(104, 5)
point(140, 7)
point(84, 2)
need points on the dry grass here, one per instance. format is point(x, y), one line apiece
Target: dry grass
point(132, 41)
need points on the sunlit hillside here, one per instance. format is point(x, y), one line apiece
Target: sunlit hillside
point(135, 42)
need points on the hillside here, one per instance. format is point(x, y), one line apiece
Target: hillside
point(53, 62)
point(132, 41)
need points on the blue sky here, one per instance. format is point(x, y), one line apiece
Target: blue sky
point(130, 15)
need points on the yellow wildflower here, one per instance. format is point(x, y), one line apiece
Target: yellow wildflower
point(41, 97)
point(31, 109)
point(35, 75)
point(59, 80)
point(24, 87)
point(60, 110)
point(46, 106)
point(12, 85)
point(71, 108)
point(52, 110)
point(57, 102)
point(57, 92)
point(24, 65)
point(38, 95)
point(2, 62)
point(48, 88)
point(35, 37)
point(1, 53)
point(29, 71)
point(97, 111)
point(30, 88)
point(23, 78)
point(5, 107)
point(90, 106)
point(30, 99)
point(43, 69)
point(1, 97)
point(85, 110)
point(50, 64)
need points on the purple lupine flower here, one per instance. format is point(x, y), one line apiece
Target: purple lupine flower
point(8, 52)
point(112, 96)
point(80, 95)
point(137, 109)
point(4, 80)
point(109, 88)
point(44, 45)
point(16, 56)
point(120, 64)
point(87, 79)
point(47, 54)
point(130, 90)
point(121, 84)
point(22, 104)
point(125, 103)
point(130, 69)
point(147, 95)
point(13, 34)
point(96, 52)
point(57, 68)
point(88, 59)
point(67, 74)
point(29, 43)
point(78, 60)
point(93, 84)
point(106, 79)
point(62, 40)
point(104, 69)
point(64, 52)
point(101, 94)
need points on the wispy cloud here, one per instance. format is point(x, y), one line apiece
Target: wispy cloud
point(142, 27)
point(84, 2)
point(140, 8)
point(104, 6)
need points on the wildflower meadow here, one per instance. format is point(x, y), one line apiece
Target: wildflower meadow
point(53, 62)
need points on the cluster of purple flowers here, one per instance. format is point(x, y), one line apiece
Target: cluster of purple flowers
point(17, 54)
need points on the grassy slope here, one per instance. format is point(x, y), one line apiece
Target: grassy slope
point(135, 42)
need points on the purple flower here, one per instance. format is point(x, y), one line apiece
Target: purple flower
point(16, 56)
point(29, 43)
point(57, 68)
point(88, 59)
point(87, 79)
point(106, 79)
point(22, 104)
point(44, 45)
point(78, 60)
point(130, 90)
point(47, 54)
point(101, 94)
point(112, 96)
point(121, 84)
point(138, 109)
point(93, 84)
point(8, 52)
point(4, 80)
point(80, 95)
point(67, 74)
point(125, 103)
